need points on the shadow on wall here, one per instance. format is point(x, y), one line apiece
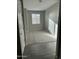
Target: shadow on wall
point(52, 28)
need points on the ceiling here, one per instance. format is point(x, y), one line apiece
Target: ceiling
point(37, 5)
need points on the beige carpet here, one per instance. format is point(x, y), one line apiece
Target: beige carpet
point(39, 37)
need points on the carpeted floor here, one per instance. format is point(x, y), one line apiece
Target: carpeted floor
point(39, 36)
point(42, 45)
point(46, 50)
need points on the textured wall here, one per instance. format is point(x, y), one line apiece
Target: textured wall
point(26, 22)
point(52, 13)
point(34, 27)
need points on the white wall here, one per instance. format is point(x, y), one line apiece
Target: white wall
point(34, 27)
point(26, 20)
point(52, 13)
point(28, 23)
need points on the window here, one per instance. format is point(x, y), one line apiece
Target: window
point(35, 18)
point(51, 26)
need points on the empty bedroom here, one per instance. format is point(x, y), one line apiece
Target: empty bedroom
point(40, 24)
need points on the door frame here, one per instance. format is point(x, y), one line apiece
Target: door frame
point(23, 20)
point(19, 54)
point(58, 45)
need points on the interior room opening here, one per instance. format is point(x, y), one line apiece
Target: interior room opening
point(38, 25)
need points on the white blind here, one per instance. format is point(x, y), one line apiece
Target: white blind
point(35, 18)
